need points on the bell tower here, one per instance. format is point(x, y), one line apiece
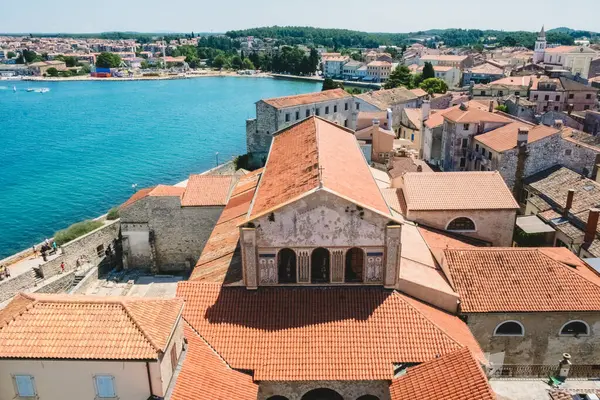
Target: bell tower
point(540, 47)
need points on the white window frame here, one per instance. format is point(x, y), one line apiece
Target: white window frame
point(17, 392)
point(98, 397)
point(572, 334)
point(506, 335)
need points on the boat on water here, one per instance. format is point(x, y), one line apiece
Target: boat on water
point(42, 90)
point(30, 89)
point(14, 89)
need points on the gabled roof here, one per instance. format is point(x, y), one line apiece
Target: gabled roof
point(84, 327)
point(205, 375)
point(207, 190)
point(522, 280)
point(571, 85)
point(308, 98)
point(156, 191)
point(435, 191)
point(453, 376)
point(443, 57)
point(384, 99)
point(505, 138)
point(311, 155)
point(517, 81)
point(474, 115)
point(437, 118)
point(328, 333)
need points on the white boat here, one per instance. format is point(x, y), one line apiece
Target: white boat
point(42, 90)
point(14, 89)
point(30, 89)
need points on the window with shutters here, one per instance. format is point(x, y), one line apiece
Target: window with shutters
point(105, 387)
point(174, 356)
point(24, 386)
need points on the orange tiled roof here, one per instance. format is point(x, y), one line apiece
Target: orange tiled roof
point(419, 92)
point(205, 375)
point(83, 327)
point(437, 118)
point(157, 191)
point(454, 376)
point(220, 260)
point(207, 190)
point(517, 81)
point(300, 151)
point(505, 138)
point(308, 98)
point(521, 280)
point(474, 115)
point(140, 194)
point(454, 191)
point(301, 334)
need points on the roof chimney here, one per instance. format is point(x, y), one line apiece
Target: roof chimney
point(517, 99)
point(591, 226)
point(569, 203)
point(570, 108)
point(464, 106)
point(558, 123)
point(425, 109)
point(491, 106)
point(522, 136)
point(375, 122)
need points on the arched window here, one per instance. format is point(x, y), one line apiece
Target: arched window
point(277, 398)
point(461, 224)
point(509, 328)
point(575, 328)
point(368, 397)
point(319, 265)
point(286, 266)
point(355, 261)
point(322, 394)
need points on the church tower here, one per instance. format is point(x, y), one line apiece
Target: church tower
point(540, 47)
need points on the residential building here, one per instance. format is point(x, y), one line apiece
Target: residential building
point(576, 59)
point(275, 114)
point(78, 347)
point(476, 205)
point(381, 141)
point(512, 85)
point(387, 99)
point(562, 94)
point(411, 125)
point(482, 74)
point(165, 228)
point(333, 67)
point(350, 70)
point(378, 71)
point(40, 68)
point(592, 122)
point(522, 108)
point(459, 62)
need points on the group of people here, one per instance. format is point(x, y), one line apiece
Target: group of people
point(47, 248)
point(4, 272)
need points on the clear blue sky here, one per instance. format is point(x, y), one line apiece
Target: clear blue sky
point(219, 15)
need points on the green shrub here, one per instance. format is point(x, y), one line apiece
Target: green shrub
point(113, 214)
point(76, 230)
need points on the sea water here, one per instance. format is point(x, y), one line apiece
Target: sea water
point(75, 151)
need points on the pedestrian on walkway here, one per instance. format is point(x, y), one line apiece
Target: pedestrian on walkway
point(7, 271)
point(35, 251)
point(62, 267)
point(54, 246)
point(47, 242)
point(44, 255)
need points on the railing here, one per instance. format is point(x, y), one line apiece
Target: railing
point(543, 371)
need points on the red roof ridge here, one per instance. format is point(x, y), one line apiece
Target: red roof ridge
point(572, 268)
point(208, 344)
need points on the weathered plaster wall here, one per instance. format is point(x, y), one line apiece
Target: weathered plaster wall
point(541, 343)
point(350, 390)
point(494, 226)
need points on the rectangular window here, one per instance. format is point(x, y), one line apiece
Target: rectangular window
point(545, 108)
point(346, 106)
point(326, 110)
point(586, 107)
point(174, 357)
point(358, 106)
point(501, 93)
point(297, 115)
point(412, 137)
point(477, 148)
point(571, 95)
point(24, 385)
point(535, 96)
point(483, 151)
point(345, 123)
point(317, 111)
point(588, 96)
point(105, 386)
point(483, 92)
point(335, 108)
point(490, 154)
point(517, 93)
point(557, 97)
point(464, 143)
point(287, 117)
point(463, 162)
point(547, 97)
point(307, 113)
point(100, 250)
point(465, 127)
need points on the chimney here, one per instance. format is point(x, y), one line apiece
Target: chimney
point(517, 99)
point(389, 120)
point(464, 106)
point(564, 366)
point(591, 226)
point(491, 106)
point(522, 136)
point(570, 108)
point(569, 203)
point(558, 124)
point(425, 109)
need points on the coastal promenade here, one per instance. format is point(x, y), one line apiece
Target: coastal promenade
point(192, 75)
point(364, 85)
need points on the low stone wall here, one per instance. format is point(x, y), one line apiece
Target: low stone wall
point(59, 285)
point(224, 169)
point(90, 278)
point(12, 286)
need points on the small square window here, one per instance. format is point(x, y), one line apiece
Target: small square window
point(555, 108)
point(465, 127)
point(547, 97)
point(358, 106)
point(535, 96)
point(105, 386)
point(25, 386)
point(287, 117)
point(567, 152)
point(586, 107)
point(557, 97)
point(100, 250)
point(588, 96)
point(571, 95)
point(517, 93)
point(307, 113)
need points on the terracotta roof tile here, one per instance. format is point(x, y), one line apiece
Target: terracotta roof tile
point(474, 115)
point(505, 138)
point(308, 98)
point(140, 194)
point(454, 191)
point(297, 155)
point(521, 280)
point(205, 375)
point(437, 118)
point(454, 376)
point(207, 190)
point(443, 57)
point(517, 81)
point(295, 334)
point(167, 191)
point(385, 98)
point(84, 327)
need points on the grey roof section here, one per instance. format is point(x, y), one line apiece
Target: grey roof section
point(532, 224)
point(385, 98)
point(571, 85)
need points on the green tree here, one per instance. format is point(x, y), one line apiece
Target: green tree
point(144, 64)
point(428, 71)
point(434, 85)
point(219, 61)
point(502, 107)
point(52, 72)
point(417, 80)
point(247, 64)
point(69, 60)
point(11, 54)
point(28, 56)
point(236, 62)
point(329, 84)
point(478, 48)
point(108, 60)
point(399, 77)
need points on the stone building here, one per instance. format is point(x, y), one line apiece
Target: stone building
point(380, 141)
point(476, 205)
point(512, 85)
point(275, 114)
point(165, 228)
point(562, 94)
point(393, 100)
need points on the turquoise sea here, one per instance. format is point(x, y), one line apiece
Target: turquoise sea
point(74, 152)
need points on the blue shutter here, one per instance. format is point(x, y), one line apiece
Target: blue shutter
point(105, 386)
point(25, 385)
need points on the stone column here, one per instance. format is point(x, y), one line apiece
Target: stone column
point(337, 266)
point(249, 261)
point(303, 265)
point(393, 249)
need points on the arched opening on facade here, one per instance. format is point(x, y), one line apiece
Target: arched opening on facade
point(322, 394)
point(286, 266)
point(368, 397)
point(277, 398)
point(575, 328)
point(461, 224)
point(509, 328)
point(319, 265)
point(355, 262)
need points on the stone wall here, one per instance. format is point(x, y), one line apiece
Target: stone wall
point(592, 120)
point(91, 277)
point(495, 226)
point(541, 343)
point(349, 390)
point(259, 139)
point(579, 158)
point(16, 284)
point(58, 285)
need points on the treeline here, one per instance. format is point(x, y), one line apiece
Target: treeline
point(290, 60)
point(469, 37)
point(331, 38)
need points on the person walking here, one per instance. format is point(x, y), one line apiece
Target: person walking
point(54, 246)
point(62, 267)
point(7, 271)
point(35, 251)
point(44, 255)
point(47, 242)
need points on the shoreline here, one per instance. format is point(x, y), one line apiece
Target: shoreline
point(84, 78)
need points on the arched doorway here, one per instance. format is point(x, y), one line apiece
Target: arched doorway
point(286, 266)
point(319, 265)
point(322, 394)
point(355, 261)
